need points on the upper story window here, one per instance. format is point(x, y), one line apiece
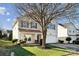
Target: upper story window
point(24, 24)
point(70, 31)
point(33, 25)
point(73, 31)
point(51, 26)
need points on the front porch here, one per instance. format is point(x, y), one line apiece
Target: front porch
point(30, 37)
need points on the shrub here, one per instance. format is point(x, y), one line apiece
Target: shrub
point(18, 44)
point(0, 34)
point(25, 39)
point(76, 41)
point(22, 42)
point(68, 39)
point(14, 40)
point(61, 41)
point(73, 42)
point(10, 36)
point(29, 39)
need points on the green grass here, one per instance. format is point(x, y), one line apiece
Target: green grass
point(4, 50)
point(36, 51)
point(30, 50)
point(4, 43)
point(19, 51)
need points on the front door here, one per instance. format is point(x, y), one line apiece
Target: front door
point(38, 38)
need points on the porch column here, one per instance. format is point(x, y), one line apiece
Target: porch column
point(35, 38)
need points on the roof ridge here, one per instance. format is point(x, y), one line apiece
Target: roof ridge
point(74, 25)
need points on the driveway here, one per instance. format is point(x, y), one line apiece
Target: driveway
point(4, 52)
point(72, 47)
point(68, 46)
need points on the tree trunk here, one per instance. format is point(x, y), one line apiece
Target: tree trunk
point(44, 38)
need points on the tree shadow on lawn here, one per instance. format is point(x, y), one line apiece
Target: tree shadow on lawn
point(30, 45)
point(19, 51)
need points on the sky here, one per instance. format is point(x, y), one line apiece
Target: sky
point(7, 15)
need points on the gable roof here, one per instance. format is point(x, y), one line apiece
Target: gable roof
point(66, 24)
point(62, 25)
point(76, 27)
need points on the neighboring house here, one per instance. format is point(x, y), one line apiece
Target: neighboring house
point(62, 32)
point(5, 33)
point(52, 32)
point(28, 28)
point(72, 31)
point(68, 30)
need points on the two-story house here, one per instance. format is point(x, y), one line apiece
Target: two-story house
point(28, 28)
point(72, 31)
point(62, 32)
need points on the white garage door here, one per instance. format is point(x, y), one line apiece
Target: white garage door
point(51, 37)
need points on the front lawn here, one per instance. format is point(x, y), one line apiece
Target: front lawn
point(5, 43)
point(6, 47)
point(36, 51)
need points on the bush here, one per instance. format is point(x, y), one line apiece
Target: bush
point(29, 39)
point(22, 42)
point(0, 34)
point(76, 41)
point(18, 44)
point(10, 36)
point(25, 39)
point(73, 42)
point(14, 40)
point(61, 41)
point(68, 39)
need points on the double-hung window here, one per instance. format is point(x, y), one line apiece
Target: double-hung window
point(33, 25)
point(25, 24)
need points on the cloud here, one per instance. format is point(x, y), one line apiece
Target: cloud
point(8, 19)
point(7, 13)
point(2, 10)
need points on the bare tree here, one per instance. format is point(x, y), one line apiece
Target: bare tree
point(44, 13)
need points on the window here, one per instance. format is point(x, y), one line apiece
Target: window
point(69, 31)
point(51, 26)
point(24, 24)
point(33, 25)
point(73, 31)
